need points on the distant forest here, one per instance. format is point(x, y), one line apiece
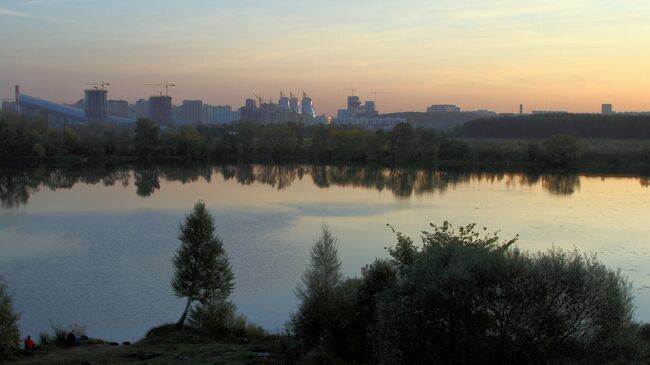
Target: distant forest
point(26, 140)
point(618, 126)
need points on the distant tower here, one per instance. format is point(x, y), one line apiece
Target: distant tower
point(308, 107)
point(607, 109)
point(294, 104)
point(284, 103)
point(17, 99)
point(160, 110)
point(96, 105)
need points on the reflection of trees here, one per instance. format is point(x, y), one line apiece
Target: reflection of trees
point(146, 182)
point(17, 184)
point(645, 181)
point(561, 184)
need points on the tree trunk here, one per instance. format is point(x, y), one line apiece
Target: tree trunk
point(181, 322)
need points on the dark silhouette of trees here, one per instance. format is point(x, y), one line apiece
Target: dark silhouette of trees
point(9, 335)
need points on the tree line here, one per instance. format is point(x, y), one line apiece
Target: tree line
point(404, 145)
point(617, 126)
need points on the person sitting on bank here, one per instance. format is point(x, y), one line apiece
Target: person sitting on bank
point(30, 347)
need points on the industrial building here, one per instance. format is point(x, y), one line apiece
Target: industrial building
point(443, 108)
point(160, 110)
point(288, 109)
point(94, 109)
point(607, 109)
point(365, 115)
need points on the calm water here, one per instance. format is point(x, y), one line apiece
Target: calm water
point(93, 246)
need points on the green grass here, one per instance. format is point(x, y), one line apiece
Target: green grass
point(172, 347)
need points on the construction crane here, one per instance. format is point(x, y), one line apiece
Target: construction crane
point(353, 90)
point(166, 85)
point(377, 92)
point(101, 84)
point(260, 99)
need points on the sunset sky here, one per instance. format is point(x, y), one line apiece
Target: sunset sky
point(495, 54)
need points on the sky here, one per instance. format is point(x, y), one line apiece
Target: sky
point(568, 55)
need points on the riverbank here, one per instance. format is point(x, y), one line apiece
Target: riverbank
point(170, 347)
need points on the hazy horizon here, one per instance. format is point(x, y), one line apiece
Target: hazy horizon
point(572, 55)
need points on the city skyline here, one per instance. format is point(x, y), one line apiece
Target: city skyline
point(571, 55)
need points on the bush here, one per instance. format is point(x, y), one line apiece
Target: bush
point(470, 298)
point(218, 319)
point(9, 335)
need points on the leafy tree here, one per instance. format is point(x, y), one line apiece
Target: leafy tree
point(9, 335)
point(562, 150)
point(202, 271)
point(146, 138)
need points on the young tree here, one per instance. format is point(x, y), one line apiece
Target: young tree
point(202, 269)
point(314, 322)
point(9, 336)
point(324, 272)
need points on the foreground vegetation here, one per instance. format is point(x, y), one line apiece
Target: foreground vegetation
point(34, 140)
point(463, 296)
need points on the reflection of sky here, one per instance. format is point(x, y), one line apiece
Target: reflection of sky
point(99, 256)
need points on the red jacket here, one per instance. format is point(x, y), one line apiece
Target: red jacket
point(29, 344)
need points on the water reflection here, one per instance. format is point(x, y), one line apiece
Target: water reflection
point(17, 184)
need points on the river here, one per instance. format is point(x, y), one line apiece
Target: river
point(92, 245)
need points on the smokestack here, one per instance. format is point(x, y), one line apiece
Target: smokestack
point(521, 109)
point(17, 98)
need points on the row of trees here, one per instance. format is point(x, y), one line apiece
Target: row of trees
point(463, 297)
point(619, 126)
point(403, 145)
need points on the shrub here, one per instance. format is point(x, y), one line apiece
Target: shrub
point(470, 298)
point(218, 319)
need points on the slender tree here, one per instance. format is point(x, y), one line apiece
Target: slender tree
point(202, 269)
point(324, 272)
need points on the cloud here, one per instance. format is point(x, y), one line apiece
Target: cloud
point(20, 14)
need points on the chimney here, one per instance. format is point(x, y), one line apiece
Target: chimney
point(17, 99)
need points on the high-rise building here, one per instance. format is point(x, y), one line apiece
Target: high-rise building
point(118, 108)
point(160, 110)
point(96, 107)
point(142, 109)
point(193, 111)
point(607, 109)
point(250, 112)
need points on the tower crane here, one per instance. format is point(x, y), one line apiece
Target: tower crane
point(101, 84)
point(353, 90)
point(260, 99)
point(377, 92)
point(166, 85)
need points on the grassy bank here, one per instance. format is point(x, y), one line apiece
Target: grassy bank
point(169, 347)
